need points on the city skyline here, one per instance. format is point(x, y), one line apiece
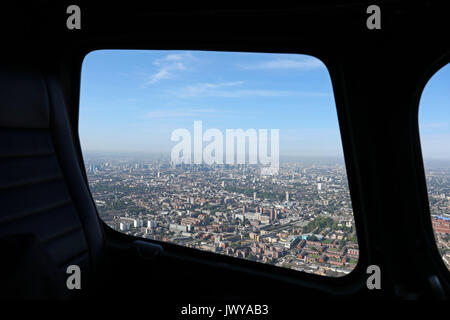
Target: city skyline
point(301, 219)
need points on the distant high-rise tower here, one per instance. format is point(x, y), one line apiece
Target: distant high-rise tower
point(319, 186)
point(273, 214)
point(287, 195)
point(254, 196)
point(223, 184)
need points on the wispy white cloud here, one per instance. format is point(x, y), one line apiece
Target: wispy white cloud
point(307, 63)
point(206, 89)
point(161, 74)
point(177, 113)
point(234, 90)
point(175, 57)
point(167, 67)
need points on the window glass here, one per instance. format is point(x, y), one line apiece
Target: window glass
point(434, 120)
point(235, 153)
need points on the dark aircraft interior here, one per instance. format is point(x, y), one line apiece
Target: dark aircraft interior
point(49, 220)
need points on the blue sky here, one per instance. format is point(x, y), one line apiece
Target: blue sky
point(434, 116)
point(132, 100)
